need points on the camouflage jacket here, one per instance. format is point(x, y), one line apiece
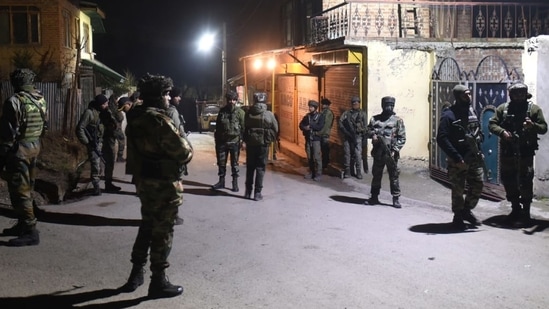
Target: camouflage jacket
point(391, 129)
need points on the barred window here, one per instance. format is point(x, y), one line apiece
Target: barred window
point(19, 25)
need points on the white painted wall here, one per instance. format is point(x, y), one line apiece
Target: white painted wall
point(535, 60)
point(405, 75)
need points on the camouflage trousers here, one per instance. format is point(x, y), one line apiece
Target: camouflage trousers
point(160, 201)
point(20, 175)
point(471, 175)
point(325, 150)
point(121, 140)
point(517, 175)
point(352, 149)
point(222, 151)
point(314, 157)
point(95, 166)
point(377, 174)
point(256, 162)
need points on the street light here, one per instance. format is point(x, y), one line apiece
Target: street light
point(207, 42)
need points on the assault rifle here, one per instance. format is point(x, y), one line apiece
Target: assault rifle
point(390, 160)
point(93, 139)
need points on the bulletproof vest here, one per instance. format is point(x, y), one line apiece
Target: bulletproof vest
point(255, 125)
point(33, 117)
point(524, 142)
point(356, 122)
point(230, 122)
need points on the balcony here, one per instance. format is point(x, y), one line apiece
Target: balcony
point(358, 21)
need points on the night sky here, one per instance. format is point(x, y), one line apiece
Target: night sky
point(160, 37)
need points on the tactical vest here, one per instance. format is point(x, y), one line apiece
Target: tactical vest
point(230, 122)
point(256, 131)
point(33, 112)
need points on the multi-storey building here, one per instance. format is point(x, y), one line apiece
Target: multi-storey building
point(414, 50)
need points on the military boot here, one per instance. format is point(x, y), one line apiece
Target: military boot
point(29, 237)
point(396, 203)
point(220, 184)
point(135, 280)
point(96, 189)
point(524, 219)
point(248, 193)
point(347, 173)
point(235, 185)
point(109, 187)
point(457, 222)
point(15, 230)
point(161, 287)
point(514, 216)
point(258, 196)
point(468, 215)
point(373, 200)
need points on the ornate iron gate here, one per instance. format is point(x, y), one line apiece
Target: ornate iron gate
point(488, 85)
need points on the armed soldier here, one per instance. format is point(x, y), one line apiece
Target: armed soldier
point(22, 123)
point(459, 136)
point(158, 153)
point(228, 137)
point(328, 116)
point(89, 132)
point(353, 125)
point(518, 124)
point(112, 127)
point(388, 136)
point(261, 129)
point(311, 125)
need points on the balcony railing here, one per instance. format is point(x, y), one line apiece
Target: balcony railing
point(361, 20)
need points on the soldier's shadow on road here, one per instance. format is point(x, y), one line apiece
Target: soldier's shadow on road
point(355, 200)
point(441, 228)
point(532, 227)
point(74, 218)
point(59, 300)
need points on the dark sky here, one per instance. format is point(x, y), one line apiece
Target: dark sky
point(160, 37)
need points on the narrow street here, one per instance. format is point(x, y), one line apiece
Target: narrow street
point(306, 245)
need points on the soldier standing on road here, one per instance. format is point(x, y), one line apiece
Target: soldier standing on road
point(352, 124)
point(459, 136)
point(311, 125)
point(177, 118)
point(328, 116)
point(119, 133)
point(111, 124)
point(388, 136)
point(261, 129)
point(228, 136)
point(89, 132)
point(22, 123)
point(518, 124)
point(158, 154)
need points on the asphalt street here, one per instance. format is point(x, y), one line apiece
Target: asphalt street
point(306, 245)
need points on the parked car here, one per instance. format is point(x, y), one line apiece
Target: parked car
point(207, 116)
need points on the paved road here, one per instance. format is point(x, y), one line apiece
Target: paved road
point(306, 245)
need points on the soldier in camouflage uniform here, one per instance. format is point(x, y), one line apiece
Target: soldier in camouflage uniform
point(518, 124)
point(388, 136)
point(260, 130)
point(22, 123)
point(228, 136)
point(310, 125)
point(158, 153)
point(89, 132)
point(352, 124)
point(112, 124)
point(459, 135)
point(328, 116)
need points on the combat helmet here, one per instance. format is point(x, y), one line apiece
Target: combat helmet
point(21, 78)
point(153, 86)
point(231, 95)
point(313, 103)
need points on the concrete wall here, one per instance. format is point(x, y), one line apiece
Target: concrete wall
point(405, 75)
point(535, 60)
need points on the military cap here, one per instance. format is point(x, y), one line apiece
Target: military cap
point(325, 102)
point(313, 103)
point(231, 95)
point(175, 92)
point(518, 88)
point(123, 101)
point(388, 99)
point(355, 99)
point(459, 90)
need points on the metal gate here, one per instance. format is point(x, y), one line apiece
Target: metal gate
point(488, 85)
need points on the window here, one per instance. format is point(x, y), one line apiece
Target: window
point(86, 39)
point(19, 25)
point(67, 29)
